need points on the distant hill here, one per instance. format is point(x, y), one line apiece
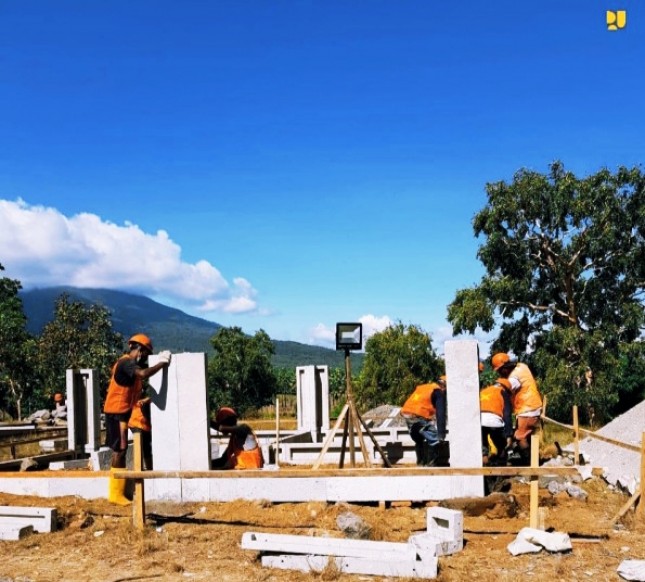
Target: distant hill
point(170, 328)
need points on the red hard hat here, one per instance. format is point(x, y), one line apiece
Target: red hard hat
point(144, 340)
point(225, 413)
point(498, 360)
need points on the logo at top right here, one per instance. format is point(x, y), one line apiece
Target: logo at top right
point(616, 19)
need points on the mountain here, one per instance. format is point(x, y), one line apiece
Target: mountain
point(170, 328)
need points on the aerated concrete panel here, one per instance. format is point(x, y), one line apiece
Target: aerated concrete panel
point(312, 389)
point(180, 415)
point(464, 422)
point(83, 410)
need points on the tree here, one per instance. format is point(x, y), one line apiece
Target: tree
point(17, 347)
point(396, 360)
point(80, 336)
point(565, 266)
point(240, 373)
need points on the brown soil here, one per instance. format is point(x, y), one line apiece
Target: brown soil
point(96, 541)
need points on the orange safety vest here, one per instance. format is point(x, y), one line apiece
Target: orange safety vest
point(491, 399)
point(238, 458)
point(119, 398)
point(138, 419)
point(420, 401)
point(527, 397)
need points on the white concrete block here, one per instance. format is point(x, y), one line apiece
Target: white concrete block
point(67, 465)
point(346, 565)
point(13, 532)
point(180, 416)
point(327, 546)
point(446, 525)
point(42, 519)
point(462, 361)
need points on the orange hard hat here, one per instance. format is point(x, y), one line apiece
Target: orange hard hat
point(142, 339)
point(504, 383)
point(58, 397)
point(498, 360)
point(225, 413)
point(480, 367)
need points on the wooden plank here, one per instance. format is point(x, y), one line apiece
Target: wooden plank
point(640, 510)
point(534, 492)
point(597, 436)
point(626, 506)
point(330, 437)
point(576, 437)
point(357, 472)
point(138, 503)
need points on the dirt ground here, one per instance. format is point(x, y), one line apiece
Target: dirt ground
point(96, 541)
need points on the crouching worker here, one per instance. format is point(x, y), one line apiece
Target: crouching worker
point(496, 420)
point(243, 450)
point(425, 415)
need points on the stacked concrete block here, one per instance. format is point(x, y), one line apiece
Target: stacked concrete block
point(312, 390)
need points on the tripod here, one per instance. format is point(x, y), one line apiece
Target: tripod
point(352, 423)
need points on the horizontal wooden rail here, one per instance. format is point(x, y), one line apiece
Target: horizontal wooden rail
point(594, 435)
point(354, 472)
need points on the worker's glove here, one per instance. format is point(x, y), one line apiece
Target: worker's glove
point(164, 357)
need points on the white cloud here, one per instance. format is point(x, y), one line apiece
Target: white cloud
point(373, 324)
point(41, 247)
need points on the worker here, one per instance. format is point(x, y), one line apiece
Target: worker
point(243, 450)
point(59, 414)
point(124, 391)
point(140, 422)
point(496, 421)
point(425, 416)
point(526, 399)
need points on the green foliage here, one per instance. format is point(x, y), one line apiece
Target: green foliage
point(396, 360)
point(240, 374)
point(80, 336)
point(17, 349)
point(565, 266)
point(285, 380)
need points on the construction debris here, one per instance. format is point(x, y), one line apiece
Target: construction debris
point(531, 540)
point(418, 558)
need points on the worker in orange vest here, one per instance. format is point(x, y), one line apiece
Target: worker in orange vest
point(124, 391)
point(526, 398)
point(425, 416)
point(496, 421)
point(243, 450)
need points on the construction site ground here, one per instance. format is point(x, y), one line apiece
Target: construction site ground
point(96, 540)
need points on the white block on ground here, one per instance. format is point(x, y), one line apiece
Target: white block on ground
point(14, 532)
point(632, 570)
point(347, 565)
point(447, 525)
point(43, 519)
point(327, 546)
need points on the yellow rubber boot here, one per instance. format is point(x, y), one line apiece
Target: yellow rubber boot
point(116, 491)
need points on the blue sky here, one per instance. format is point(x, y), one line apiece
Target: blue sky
point(286, 165)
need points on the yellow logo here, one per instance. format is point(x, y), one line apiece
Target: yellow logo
point(616, 19)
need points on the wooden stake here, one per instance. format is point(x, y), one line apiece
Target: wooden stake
point(576, 436)
point(330, 437)
point(640, 510)
point(277, 432)
point(627, 506)
point(138, 503)
point(534, 491)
